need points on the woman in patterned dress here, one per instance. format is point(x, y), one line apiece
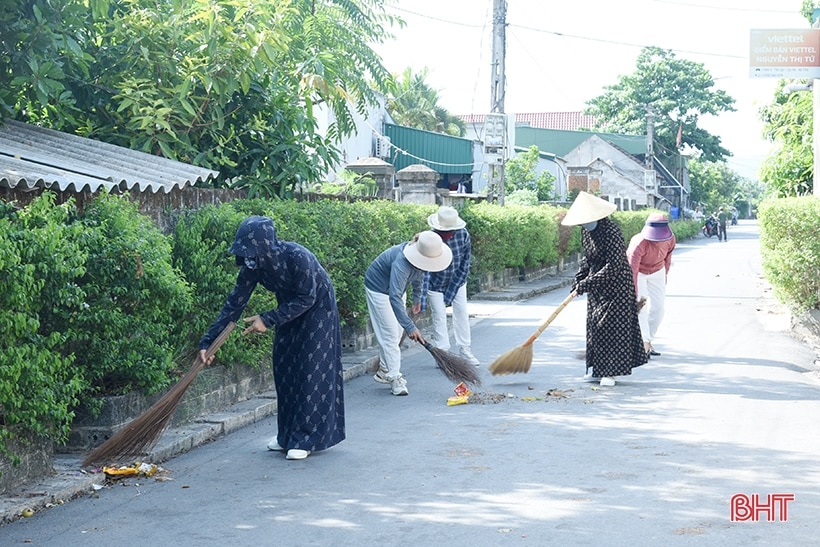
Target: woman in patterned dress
point(614, 342)
point(307, 346)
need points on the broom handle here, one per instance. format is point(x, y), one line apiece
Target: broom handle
point(549, 319)
point(219, 340)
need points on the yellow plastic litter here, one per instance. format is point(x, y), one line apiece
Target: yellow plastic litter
point(146, 469)
point(458, 400)
point(120, 471)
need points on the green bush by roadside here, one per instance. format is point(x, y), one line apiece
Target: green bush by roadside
point(790, 249)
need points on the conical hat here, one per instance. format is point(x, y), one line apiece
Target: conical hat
point(588, 208)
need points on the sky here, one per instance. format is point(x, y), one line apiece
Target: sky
point(562, 53)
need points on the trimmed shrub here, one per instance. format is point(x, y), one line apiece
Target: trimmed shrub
point(38, 265)
point(790, 249)
point(128, 332)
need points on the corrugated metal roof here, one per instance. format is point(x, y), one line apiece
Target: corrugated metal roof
point(561, 142)
point(569, 121)
point(442, 153)
point(32, 156)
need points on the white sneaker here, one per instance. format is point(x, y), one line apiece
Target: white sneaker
point(381, 377)
point(399, 386)
point(274, 445)
point(588, 377)
point(296, 454)
point(467, 354)
point(607, 381)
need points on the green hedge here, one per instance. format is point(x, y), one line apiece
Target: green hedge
point(790, 249)
point(100, 302)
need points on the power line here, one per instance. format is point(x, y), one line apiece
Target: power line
point(722, 8)
point(601, 40)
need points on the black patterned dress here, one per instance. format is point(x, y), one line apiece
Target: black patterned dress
point(307, 347)
point(614, 342)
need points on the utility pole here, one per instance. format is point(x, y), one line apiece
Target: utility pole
point(815, 101)
point(497, 76)
point(495, 126)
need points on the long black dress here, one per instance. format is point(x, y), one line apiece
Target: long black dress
point(614, 342)
point(307, 347)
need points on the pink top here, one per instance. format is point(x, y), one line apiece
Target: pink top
point(647, 257)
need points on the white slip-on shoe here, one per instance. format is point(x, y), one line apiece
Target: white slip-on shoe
point(607, 381)
point(297, 454)
point(274, 445)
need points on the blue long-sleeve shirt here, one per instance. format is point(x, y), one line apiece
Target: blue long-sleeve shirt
point(449, 280)
point(391, 274)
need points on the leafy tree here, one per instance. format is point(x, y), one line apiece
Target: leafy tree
point(677, 92)
point(788, 122)
point(229, 85)
point(713, 184)
point(520, 174)
point(413, 103)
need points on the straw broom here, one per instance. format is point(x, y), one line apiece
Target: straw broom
point(144, 431)
point(520, 359)
point(455, 367)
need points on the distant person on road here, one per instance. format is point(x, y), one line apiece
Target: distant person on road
point(614, 345)
point(386, 282)
point(449, 286)
point(722, 216)
point(650, 257)
point(307, 345)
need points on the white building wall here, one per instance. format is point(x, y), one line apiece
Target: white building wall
point(362, 143)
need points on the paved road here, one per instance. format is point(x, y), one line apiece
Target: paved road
point(730, 407)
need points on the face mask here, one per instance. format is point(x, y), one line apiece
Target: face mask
point(250, 263)
point(590, 225)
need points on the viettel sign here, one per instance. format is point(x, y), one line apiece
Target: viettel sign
point(785, 53)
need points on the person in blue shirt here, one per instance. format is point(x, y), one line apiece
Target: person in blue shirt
point(386, 282)
point(449, 286)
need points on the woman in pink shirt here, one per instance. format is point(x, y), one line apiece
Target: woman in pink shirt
point(650, 256)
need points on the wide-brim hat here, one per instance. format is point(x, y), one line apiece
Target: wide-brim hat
point(587, 208)
point(428, 252)
point(446, 219)
point(657, 228)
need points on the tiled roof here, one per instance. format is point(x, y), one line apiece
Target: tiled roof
point(566, 121)
point(33, 156)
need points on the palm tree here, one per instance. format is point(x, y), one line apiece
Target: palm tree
point(413, 103)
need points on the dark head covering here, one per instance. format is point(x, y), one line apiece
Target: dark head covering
point(657, 228)
point(255, 238)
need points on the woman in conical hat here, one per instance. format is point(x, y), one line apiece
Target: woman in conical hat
point(614, 342)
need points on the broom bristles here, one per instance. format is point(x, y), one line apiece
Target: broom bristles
point(143, 432)
point(513, 361)
point(455, 367)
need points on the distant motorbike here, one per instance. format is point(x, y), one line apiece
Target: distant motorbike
point(710, 228)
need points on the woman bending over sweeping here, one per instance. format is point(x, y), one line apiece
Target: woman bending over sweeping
point(614, 342)
point(307, 346)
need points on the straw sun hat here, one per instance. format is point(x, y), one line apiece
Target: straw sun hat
point(657, 228)
point(427, 252)
point(446, 219)
point(587, 208)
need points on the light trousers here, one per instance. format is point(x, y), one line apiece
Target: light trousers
point(387, 330)
point(461, 319)
point(653, 287)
